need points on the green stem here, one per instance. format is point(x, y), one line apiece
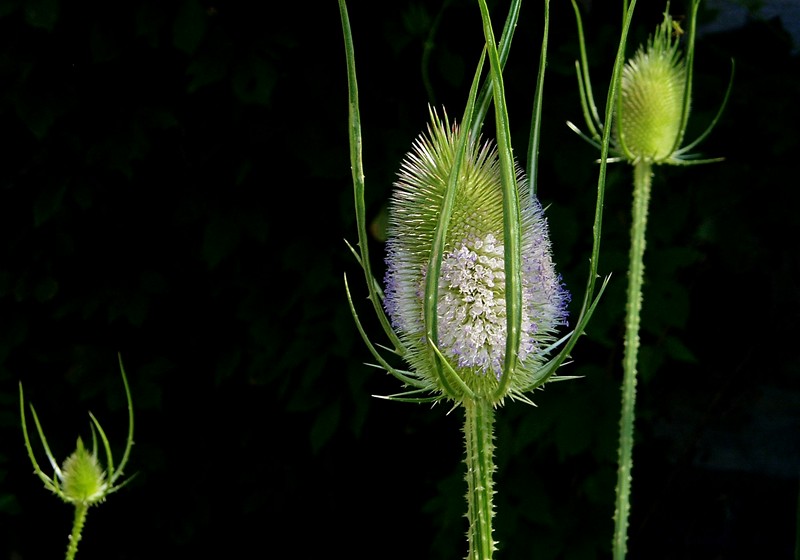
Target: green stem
point(478, 426)
point(77, 527)
point(642, 178)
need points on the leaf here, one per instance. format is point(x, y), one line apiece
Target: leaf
point(48, 203)
point(207, 68)
point(189, 26)
point(41, 13)
point(677, 350)
point(324, 426)
point(221, 236)
point(45, 289)
point(253, 80)
point(8, 7)
point(9, 504)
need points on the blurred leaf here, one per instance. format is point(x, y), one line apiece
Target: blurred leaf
point(8, 502)
point(324, 426)
point(189, 26)
point(119, 149)
point(42, 13)
point(133, 307)
point(227, 364)
point(207, 68)
point(153, 282)
point(45, 289)
point(416, 20)
point(103, 40)
point(574, 432)
point(220, 237)
point(666, 304)
point(38, 114)
point(451, 66)
point(47, 203)
point(377, 228)
point(242, 171)
point(5, 283)
point(8, 6)
point(534, 503)
point(149, 19)
point(253, 80)
point(677, 350)
point(651, 359)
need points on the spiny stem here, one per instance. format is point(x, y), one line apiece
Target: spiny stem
point(77, 527)
point(478, 434)
point(642, 178)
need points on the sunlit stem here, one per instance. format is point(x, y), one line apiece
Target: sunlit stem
point(478, 426)
point(77, 527)
point(642, 178)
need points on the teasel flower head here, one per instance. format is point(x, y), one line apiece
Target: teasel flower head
point(81, 480)
point(654, 98)
point(471, 320)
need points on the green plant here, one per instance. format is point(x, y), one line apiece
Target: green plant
point(651, 114)
point(472, 300)
point(81, 480)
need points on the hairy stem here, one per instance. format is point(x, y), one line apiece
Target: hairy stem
point(479, 439)
point(642, 178)
point(77, 527)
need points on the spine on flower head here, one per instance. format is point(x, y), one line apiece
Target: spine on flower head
point(471, 306)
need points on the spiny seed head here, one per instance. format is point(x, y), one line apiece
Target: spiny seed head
point(650, 120)
point(471, 307)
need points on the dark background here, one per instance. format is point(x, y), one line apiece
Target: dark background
point(175, 186)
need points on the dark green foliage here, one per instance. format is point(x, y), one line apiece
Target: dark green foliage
point(175, 186)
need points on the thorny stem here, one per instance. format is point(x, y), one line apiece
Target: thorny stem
point(478, 435)
point(77, 527)
point(642, 179)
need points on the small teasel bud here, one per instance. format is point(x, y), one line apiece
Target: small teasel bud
point(83, 480)
point(650, 115)
point(471, 307)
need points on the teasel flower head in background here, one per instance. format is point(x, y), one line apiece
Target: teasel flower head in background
point(654, 100)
